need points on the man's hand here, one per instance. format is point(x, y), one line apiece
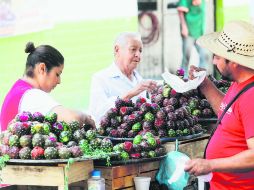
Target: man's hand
point(147, 85)
point(87, 119)
point(194, 69)
point(198, 167)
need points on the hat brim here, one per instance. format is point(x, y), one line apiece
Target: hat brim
point(210, 42)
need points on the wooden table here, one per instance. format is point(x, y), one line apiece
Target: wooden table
point(45, 174)
point(121, 176)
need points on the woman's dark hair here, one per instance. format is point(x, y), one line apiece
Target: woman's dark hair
point(42, 54)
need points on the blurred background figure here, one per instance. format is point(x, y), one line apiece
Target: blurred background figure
point(192, 23)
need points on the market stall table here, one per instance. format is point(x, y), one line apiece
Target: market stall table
point(121, 174)
point(45, 172)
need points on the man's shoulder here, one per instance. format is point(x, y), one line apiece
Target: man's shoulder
point(107, 72)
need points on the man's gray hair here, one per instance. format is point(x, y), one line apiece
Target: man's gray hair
point(122, 38)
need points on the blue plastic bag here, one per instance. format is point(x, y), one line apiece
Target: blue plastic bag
point(171, 172)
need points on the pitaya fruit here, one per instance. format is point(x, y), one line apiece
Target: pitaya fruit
point(149, 117)
point(25, 140)
point(51, 117)
point(124, 156)
point(46, 128)
point(90, 134)
point(136, 127)
point(135, 155)
point(65, 136)
point(4, 149)
point(24, 116)
point(37, 127)
point(16, 128)
point(57, 128)
point(74, 125)
point(64, 152)
point(38, 140)
point(14, 152)
point(106, 145)
point(137, 148)
point(76, 151)
point(104, 122)
point(71, 143)
point(95, 143)
point(78, 135)
point(51, 153)
point(137, 139)
point(14, 140)
point(37, 153)
point(151, 154)
point(5, 138)
point(127, 146)
point(37, 116)
point(25, 153)
point(50, 142)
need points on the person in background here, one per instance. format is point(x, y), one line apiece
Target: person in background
point(192, 25)
point(121, 78)
point(230, 152)
point(44, 67)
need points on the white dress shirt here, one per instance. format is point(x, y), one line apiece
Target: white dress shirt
point(106, 86)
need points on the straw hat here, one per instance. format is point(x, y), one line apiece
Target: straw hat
point(235, 42)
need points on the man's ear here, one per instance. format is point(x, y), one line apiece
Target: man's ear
point(41, 68)
point(116, 49)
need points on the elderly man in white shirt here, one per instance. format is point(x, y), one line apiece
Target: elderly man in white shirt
point(121, 78)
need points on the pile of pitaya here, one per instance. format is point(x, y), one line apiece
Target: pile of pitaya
point(143, 146)
point(35, 136)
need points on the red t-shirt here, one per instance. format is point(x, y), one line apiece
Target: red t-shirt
point(230, 137)
point(11, 102)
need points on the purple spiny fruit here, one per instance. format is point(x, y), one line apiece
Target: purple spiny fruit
point(37, 116)
point(4, 149)
point(57, 128)
point(159, 123)
point(76, 151)
point(105, 122)
point(112, 112)
point(50, 142)
point(14, 152)
point(113, 133)
point(147, 125)
point(25, 153)
point(24, 116)
point(180, 72)
point(131, 134)
point(106, 145)
point(155, 107)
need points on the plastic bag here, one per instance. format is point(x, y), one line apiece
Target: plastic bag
point(171, 171)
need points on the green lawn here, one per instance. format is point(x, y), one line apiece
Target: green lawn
point(86, 46)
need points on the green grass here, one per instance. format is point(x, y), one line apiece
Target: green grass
point(86, 46)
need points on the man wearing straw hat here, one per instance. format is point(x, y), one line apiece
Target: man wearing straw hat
point(230, 152)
